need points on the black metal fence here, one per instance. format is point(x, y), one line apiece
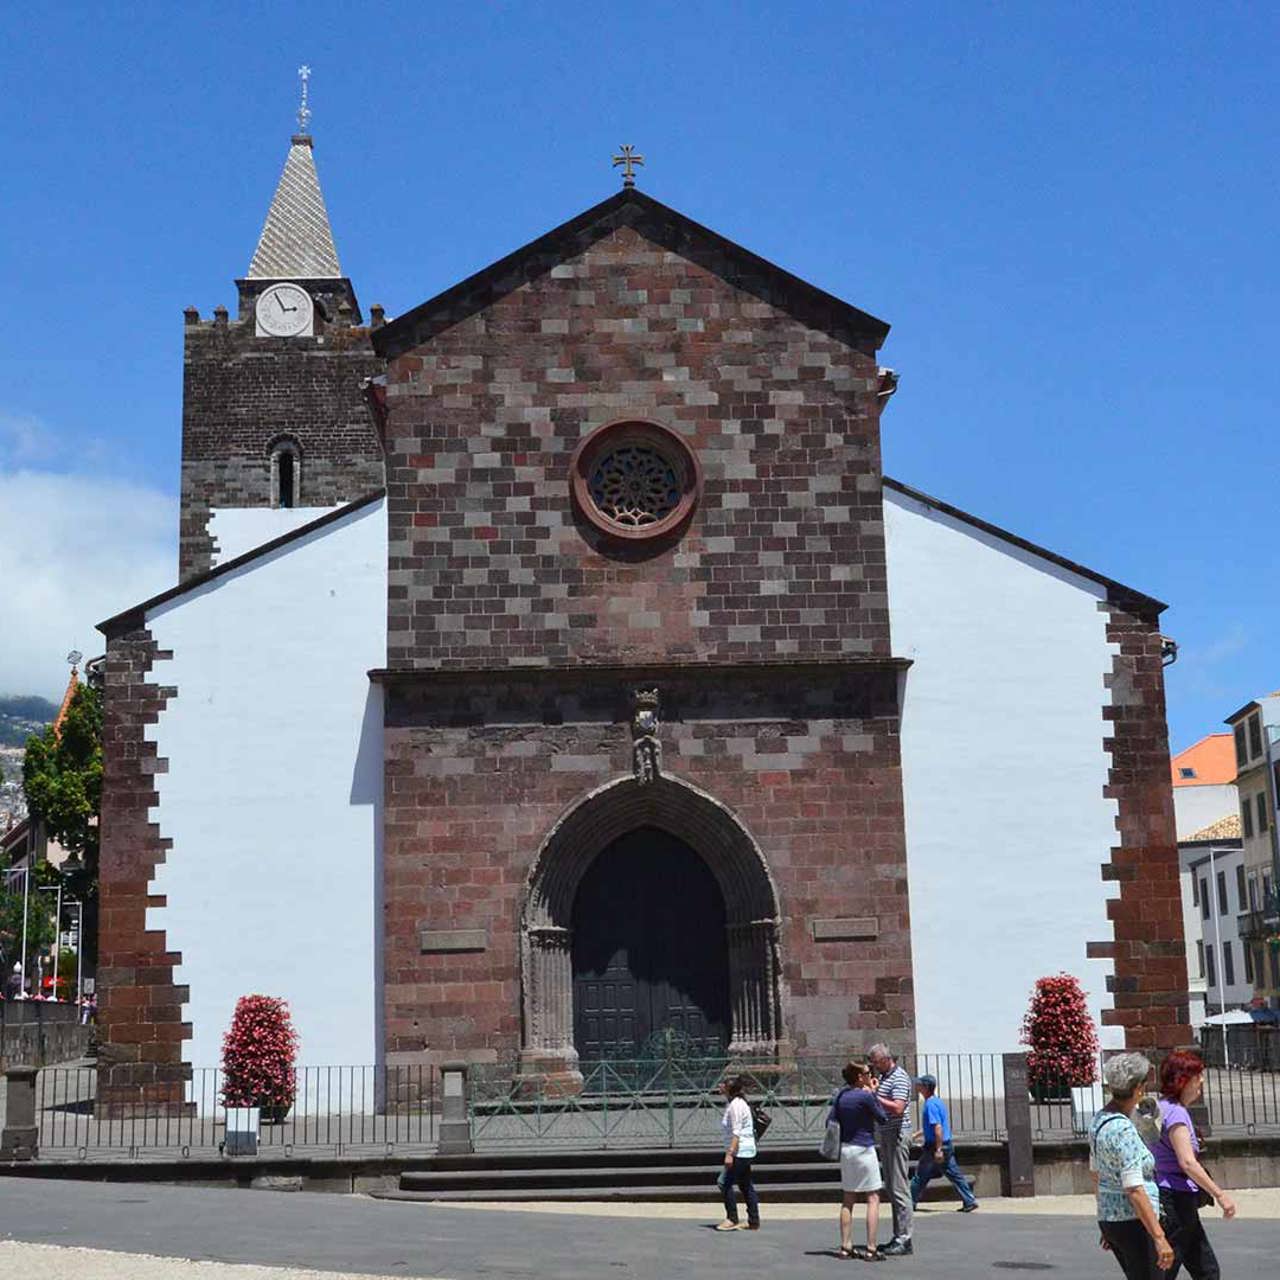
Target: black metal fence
point(651, 1102)
point(336, 1111)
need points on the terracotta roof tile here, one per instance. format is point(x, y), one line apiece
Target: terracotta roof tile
point(1227, 828)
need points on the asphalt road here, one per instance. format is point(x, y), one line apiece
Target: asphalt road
point(353, 1234)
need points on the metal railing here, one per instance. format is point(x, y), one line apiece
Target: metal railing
point(336, 1111)
point(618, 1103)
point(675, 1102)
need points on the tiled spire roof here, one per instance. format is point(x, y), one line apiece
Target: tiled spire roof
point(296, 241)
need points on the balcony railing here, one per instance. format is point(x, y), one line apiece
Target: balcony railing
point(1254, 926)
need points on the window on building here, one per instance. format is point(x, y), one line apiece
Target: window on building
point(1266, 890)
point(286, 474)
point(1253, 893)
point(1200, 957)
point(1240, 892)
point(1195, 891)
point(1204, 900)
point(1223, 905)
point(1275, 968)
point(1228, 965)
point(1248, 961)
point(1261, 801)
point(1211, 971)
point(1242, 751)
point(1186, 773)
point(1255, 735)
point(1246, 817)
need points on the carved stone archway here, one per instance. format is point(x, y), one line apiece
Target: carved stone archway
point(751, 910)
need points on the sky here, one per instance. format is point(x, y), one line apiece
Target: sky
point(1067, 213)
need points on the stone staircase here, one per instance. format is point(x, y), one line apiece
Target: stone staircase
point(781, 1174)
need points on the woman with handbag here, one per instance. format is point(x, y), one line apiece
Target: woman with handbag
point(857, 1111)
point(1128, 1199)
point(738, 1124)
point(1185, 1184)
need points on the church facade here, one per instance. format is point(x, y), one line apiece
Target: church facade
point(553, 675)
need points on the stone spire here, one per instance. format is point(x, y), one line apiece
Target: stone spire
point(296, 241)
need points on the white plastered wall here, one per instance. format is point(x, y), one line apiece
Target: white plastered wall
point(1003, 775)
point(235, 530)
point(273, 793)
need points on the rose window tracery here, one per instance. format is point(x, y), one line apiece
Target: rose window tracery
point(635, 485)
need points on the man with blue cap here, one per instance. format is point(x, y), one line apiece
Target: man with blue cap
point(938, 1155)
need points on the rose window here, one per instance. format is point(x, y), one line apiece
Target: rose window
point(635, 479)
point(635, 485)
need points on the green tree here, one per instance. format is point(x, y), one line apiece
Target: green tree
point(39, 925)
point(62, 779)
point(62, 776)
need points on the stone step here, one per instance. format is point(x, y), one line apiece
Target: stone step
point(620, 1176)
point(542, 1157)
point(675, 1192)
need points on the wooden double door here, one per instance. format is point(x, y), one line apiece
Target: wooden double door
point(650, 954)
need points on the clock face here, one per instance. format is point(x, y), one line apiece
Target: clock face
point(284, 311)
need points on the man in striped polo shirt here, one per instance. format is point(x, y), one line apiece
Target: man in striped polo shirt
point(894, 1144)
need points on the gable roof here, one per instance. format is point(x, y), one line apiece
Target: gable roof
point(664, 226)
point(133, 617)
point(1212, 761)
point(1117, 592)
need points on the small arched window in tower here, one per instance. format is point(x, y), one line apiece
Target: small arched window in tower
point(286, 473)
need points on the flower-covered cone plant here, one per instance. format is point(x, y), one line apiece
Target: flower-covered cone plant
point(1059, 1032)
point(258, 1057)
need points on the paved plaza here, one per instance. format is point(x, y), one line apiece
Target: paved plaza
point(237, 1235)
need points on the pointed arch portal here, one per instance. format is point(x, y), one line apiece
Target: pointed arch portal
point(684, 863)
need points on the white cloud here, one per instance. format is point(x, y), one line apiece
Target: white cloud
point(74, 549)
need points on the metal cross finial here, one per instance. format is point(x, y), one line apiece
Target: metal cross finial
point(304, 111)
point(627, 159)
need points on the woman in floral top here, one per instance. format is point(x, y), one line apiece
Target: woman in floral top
point(1128, 1200)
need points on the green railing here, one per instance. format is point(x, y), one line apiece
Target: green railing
point(676, 1102)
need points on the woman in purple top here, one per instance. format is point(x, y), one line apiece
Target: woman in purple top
point(1179, 1174)
point(858, 1110)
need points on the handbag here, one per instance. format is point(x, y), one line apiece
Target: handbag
point(760, 1119)
point(829, 1147)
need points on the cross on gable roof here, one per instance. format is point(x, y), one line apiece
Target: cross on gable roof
point(664, 226)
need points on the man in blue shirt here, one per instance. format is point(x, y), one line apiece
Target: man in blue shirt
point(938, 1156)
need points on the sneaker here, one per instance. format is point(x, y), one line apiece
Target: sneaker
point(967, 1208)
point(897, 1249)
point(727, 1225)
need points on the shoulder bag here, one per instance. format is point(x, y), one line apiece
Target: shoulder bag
point(829, 1147)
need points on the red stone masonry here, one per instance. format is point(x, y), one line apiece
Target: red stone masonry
point(479, 770)
point(633, 312)
point(139, 1005)
point(1148, 949)
point(491, 565)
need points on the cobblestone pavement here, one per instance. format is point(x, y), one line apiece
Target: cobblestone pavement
point(350, 1236)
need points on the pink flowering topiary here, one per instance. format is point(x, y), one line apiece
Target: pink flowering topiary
point(1060, 1034)
point(258, 1055)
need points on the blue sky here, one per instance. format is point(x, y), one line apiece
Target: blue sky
point(1067, 212)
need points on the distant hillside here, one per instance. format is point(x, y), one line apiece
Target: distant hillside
point(20, 717)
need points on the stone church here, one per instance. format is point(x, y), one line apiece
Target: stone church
point(552, 672)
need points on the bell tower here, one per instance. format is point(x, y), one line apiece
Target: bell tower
point(275, 425)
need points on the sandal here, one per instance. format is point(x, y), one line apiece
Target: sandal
point(846, 1253)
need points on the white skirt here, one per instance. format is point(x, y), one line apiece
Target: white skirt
point(859, 1168)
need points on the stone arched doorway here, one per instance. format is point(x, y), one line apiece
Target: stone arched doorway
point(595, 825)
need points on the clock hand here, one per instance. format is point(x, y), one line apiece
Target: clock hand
point(280, 303)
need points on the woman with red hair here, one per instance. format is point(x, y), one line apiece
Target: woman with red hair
point(1179, 1174)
